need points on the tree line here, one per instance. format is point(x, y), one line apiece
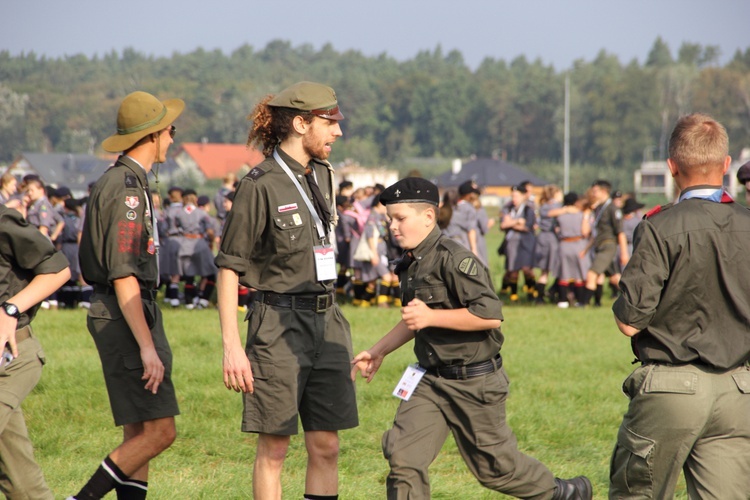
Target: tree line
point(432, 106)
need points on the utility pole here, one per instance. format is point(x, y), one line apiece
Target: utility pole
point(566, 139)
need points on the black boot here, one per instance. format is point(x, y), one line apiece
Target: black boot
point(578, 488)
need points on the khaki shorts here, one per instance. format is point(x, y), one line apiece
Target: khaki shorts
point(603, 256)
point(301, 366)
point(122, 365)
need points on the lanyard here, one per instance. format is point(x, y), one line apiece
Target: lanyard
point(310, 208)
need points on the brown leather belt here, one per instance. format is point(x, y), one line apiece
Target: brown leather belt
point(317, 303)
point(572, 238)
point(23, 333)
point(192, 236)
point(464, 372)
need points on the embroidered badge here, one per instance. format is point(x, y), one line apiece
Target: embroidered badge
point(132, 201)
point(151, 247)
point(297, 220)
point(287, 208)
point(256, 173)
point(468, 266)
point(131, 215)
point(189, 209)
point(131, 181)
point(397, 193)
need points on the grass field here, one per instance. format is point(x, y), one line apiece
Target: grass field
point(565, 367)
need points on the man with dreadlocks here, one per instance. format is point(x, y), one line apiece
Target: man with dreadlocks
point(278, 240)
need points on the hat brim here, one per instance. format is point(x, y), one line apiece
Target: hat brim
point(117, 142)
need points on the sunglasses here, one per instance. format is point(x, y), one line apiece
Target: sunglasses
point(172, 131)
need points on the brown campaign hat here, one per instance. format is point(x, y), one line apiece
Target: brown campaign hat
point(316, 98)
point(141, 114)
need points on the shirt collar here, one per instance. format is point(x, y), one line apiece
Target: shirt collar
point(135, 166)
point(709, 193)
point(427, 244)
point(293, 164)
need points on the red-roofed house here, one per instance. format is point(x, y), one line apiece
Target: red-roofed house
point(214, 161)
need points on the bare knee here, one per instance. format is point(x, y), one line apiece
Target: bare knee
point(272, 448)
point(322, 446)
point(159, 434)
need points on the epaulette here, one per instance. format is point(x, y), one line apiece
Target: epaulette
point(657, 209)
point(131, 181)
point(256, 173)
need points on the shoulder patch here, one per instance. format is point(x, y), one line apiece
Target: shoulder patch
point(131, 181)
point(256, 173)
point(657, 209)
point(468, 266)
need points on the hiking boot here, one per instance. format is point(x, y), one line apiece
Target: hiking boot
point(578, 488)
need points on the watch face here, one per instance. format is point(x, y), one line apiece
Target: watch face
point(11, 310)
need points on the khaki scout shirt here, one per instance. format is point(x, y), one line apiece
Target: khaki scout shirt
point(686, 285)
point(269, 234)
point(445, 275)
point(118, 234)
point(24, 253)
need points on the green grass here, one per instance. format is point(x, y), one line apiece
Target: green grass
point(565, 366)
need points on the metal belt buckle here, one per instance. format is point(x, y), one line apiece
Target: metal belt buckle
point(321, 303)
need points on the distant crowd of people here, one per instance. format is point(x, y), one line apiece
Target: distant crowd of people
point(187, 228)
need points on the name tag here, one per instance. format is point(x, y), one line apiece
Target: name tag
point(325, 262)
point(409, 381)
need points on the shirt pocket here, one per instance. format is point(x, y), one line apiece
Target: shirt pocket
point(435, 296)
point(288, 232)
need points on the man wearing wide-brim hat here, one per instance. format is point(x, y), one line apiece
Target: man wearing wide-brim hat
point(277, 239)
point(118, 256)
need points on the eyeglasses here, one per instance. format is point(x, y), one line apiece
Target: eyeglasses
point(172, 131)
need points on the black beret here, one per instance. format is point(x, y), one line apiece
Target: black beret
point(203, 200)
point(411, 190)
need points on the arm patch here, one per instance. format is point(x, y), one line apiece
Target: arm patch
point(468, 266)
point(131, 181)
point(256, 173)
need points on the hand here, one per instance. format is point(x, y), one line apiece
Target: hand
point(8, 326)
point(238, 374)
point(417, 315)
point(366, 364)
point(153, 369)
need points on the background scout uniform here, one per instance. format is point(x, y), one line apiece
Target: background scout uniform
point(298, 341)
point(119, 241)
point(24, 253)
point(685, 288)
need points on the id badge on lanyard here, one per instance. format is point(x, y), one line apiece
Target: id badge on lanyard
point(325, 262)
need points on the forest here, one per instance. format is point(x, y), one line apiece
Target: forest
point(423, 111)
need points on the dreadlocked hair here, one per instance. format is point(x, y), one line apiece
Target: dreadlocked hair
point(271, 124)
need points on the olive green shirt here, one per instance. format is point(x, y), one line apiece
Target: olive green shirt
point(686, 285)
point(608, 224)
point(118, 233)
point(446, 275)
point(269, 234)
point(24, 253)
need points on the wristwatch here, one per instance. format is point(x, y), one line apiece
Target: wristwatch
point(11, 310)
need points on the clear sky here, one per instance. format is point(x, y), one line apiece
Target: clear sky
point(556, 31)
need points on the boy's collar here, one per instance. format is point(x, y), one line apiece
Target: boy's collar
point(427, 244)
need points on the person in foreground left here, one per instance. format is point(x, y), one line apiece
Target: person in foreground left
point(119, 257)
point(30, 270)
point(452, 313)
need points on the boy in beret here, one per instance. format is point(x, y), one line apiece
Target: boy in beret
point(454, 316)
point(279, 240)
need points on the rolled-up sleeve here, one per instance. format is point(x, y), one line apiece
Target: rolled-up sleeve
point(643, 279)
point(244, 226)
